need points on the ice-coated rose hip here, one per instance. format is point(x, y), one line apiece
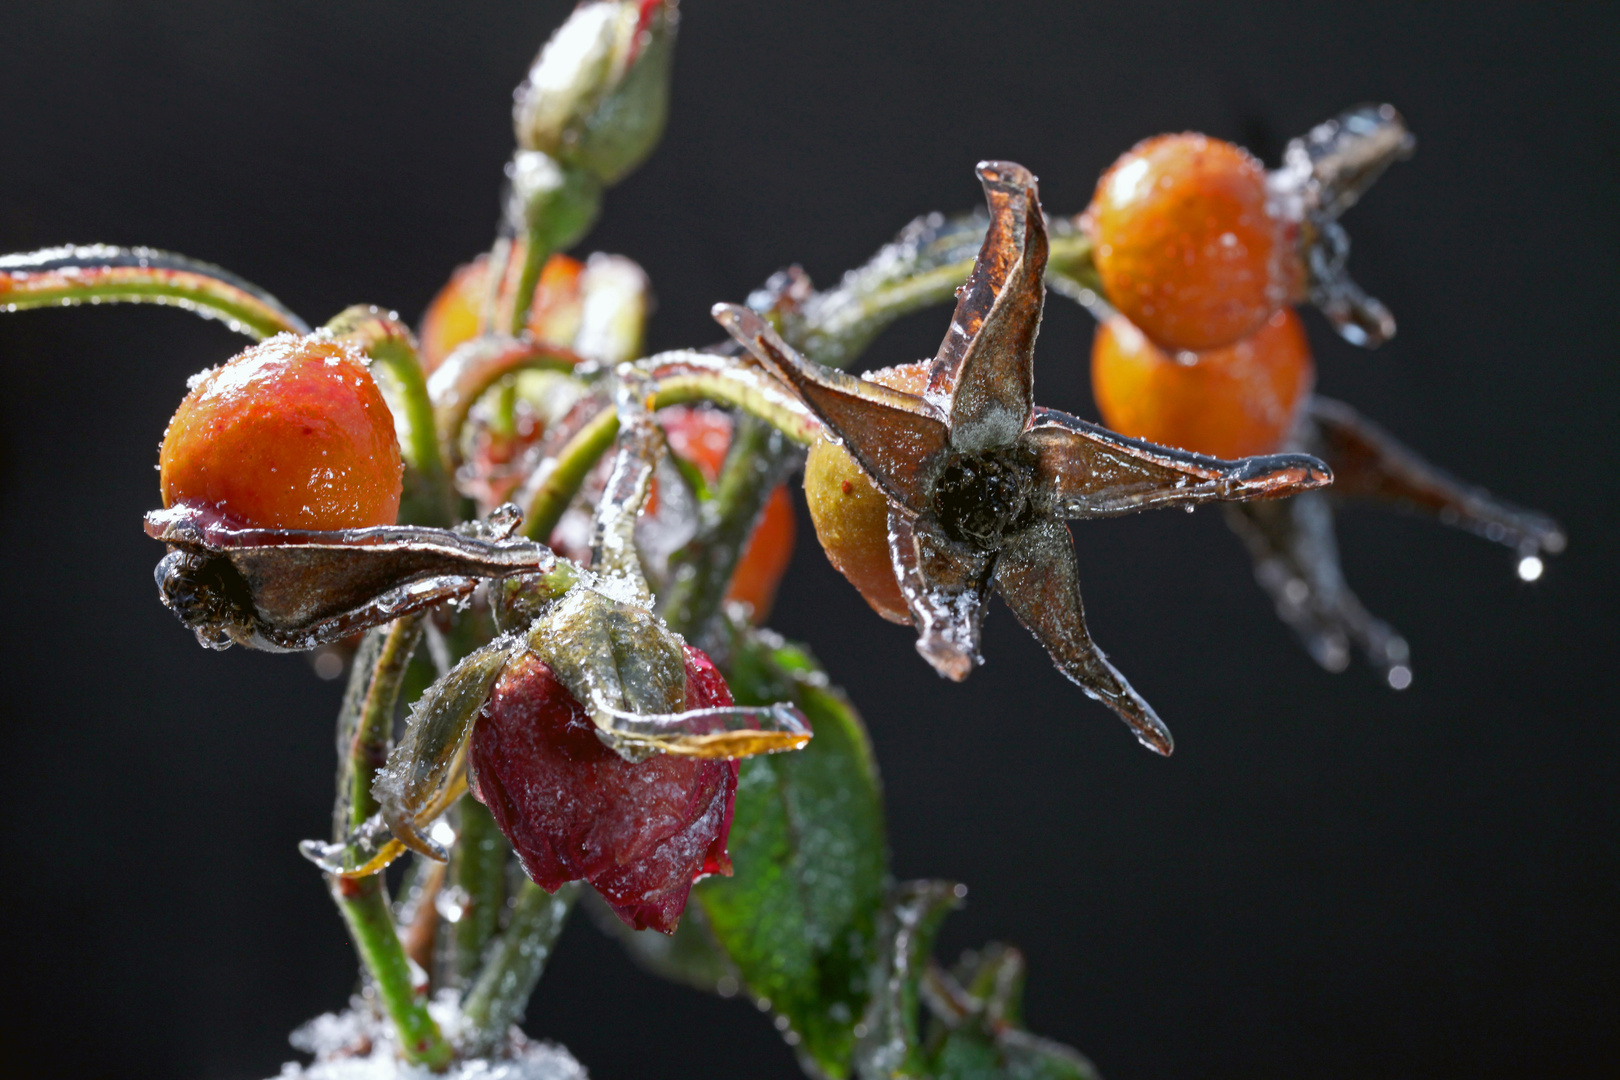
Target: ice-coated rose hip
point(1229, 402)
point(575, 810)
point(1186, 244)
point(289, 434)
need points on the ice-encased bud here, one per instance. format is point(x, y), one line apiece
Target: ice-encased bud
point(574, 810)
point(552, 204)
point(597, 96)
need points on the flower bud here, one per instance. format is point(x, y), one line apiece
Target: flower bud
point(640, 833)
point(598, 94)
point(551, 204)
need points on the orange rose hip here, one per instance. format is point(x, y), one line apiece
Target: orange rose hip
point(1186, 245)
point(291, 434)
point(1229, 402)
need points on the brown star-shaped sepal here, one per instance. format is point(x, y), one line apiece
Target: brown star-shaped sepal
point(979, 479)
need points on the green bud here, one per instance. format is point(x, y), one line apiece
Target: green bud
point(598, 94)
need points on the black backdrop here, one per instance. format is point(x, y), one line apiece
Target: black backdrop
point(1328, 879)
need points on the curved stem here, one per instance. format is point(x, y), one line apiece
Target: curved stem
point(915, 272)
point(368, 712)
point(560, 478)
point(99, 274)
point(390, 344)
point(469, 373)
point(685, 376)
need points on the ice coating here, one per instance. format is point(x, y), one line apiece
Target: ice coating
point(425, 769)
point(977, 478)
point(639, 832)
point(628, 671)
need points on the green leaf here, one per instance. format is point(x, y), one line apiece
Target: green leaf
point(799, 918)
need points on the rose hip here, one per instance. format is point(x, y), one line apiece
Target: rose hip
point(290, 434)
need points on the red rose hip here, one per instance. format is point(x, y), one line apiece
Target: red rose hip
point(289, 434)
point(575, 810)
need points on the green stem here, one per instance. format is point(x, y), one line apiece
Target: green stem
point(368, 715)
point(498, 998)
point(99, 274)
point(472, 371)
point(364, 904)
point(535, 253)
point(389, 343)
point(841, 322)
point(566, 473)
point(700, 572)
point(743, 391)
point(478, 866)
point(372, 734)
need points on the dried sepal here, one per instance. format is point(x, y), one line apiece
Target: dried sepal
point(1296, 561)
point(425, 764)
point(986, 365)
point(1324, 173)
point(287, 590)
point(1296, 556)
point(946, 585)
point(1369, 463)
point(1037, 577)
point(894, 435)
point(1088, 471)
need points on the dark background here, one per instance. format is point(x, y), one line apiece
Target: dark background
point(1329, 879)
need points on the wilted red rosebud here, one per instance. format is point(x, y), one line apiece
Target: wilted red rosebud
point(575, 810)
